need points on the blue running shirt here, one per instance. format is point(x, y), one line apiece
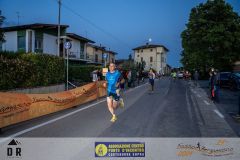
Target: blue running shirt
point(112, 79)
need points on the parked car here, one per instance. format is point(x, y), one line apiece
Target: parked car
point(234, 81)
point(224, 79)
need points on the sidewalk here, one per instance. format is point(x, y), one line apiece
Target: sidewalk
point(214, 122)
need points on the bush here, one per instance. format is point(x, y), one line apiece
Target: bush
point(81, 73)
point(21, 70)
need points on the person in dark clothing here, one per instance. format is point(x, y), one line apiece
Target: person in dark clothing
point(138, 78)
point(122, 84)
point(196, 76)
point(99, 75)
point(151, 76)
point(213, 86)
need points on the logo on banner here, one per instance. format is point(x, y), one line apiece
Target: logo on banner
point(119, 149)
point(219, 149)
point(101, 150)
point(14, 149)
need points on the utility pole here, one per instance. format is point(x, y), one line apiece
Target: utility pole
point(59, 16)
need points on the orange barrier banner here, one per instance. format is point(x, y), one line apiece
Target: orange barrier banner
point(18, 107)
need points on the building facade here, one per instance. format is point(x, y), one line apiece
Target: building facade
point(78, 50)
point(95, 54)
point(42, 38)
point(38, 38)
point(154, 56)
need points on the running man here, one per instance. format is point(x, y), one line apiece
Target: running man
point(174, 76)
point(151, 76)
point(113, 78)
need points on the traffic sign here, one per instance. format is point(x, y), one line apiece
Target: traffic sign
point(104, 71)
point(105, 55)
point(67, 45)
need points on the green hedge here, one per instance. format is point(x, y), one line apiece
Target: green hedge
point(81, 73)
point(21, 70)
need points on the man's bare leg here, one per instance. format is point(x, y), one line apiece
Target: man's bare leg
point(115, 104)
point(110, 105)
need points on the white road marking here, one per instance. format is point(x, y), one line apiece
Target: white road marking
point(206, 102)
point(218, 113)
point(2, 139)
point(193, 91)
point(51, 121)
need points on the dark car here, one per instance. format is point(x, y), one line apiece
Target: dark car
point(224, 79)
point(234, 81)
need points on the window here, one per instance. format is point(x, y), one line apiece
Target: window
point(112, 60)
point(29, 41)
point(96, 58)
point(38, 43)
point(151, 50)
point(141, 59)
point(151, 59)
point(82, 46)
point(138, 55)
point(96, 49)
point(162, 59)
point(21, 42)
point(141, 50)
point(137, 51)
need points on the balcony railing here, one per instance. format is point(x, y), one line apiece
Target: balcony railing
point(77, 55)
point(92, 58)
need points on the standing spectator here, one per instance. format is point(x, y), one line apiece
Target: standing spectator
point(122, 83)
point(138, 78)
point(99, 75)
point(213, 82)
point(133, 77)
point(217, 85)
point(94, 75)
point(196, 76)
point(129, 77)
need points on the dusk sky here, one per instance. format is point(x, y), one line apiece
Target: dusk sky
point(117, 24)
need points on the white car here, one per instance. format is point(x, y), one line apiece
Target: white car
point(180, 75)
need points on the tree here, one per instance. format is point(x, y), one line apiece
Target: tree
point(2, 18)
point(211, 37)
point(129, 57)
point(141, 65)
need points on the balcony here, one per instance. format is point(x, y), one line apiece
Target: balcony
point(76, 55)
point(94, 59)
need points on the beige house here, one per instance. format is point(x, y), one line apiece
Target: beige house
point(111, 56)
point(79, 46)
point(95, 54)
point(155, 56)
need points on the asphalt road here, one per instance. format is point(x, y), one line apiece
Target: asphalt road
point(175, 109)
